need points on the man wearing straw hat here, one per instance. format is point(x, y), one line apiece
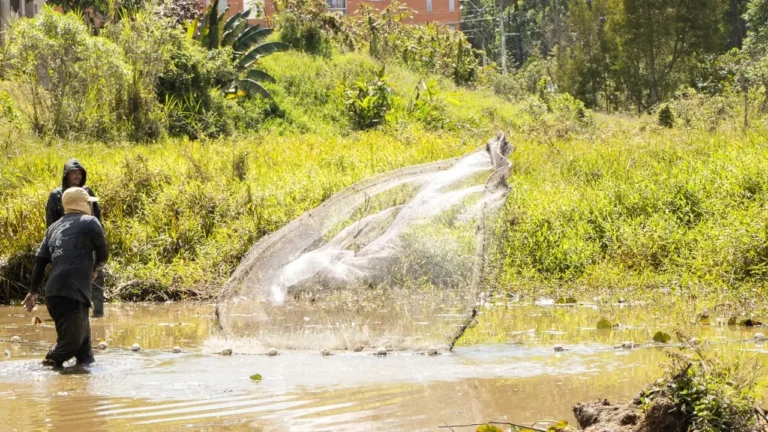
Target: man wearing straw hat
point(75, 175)
point(76, 248)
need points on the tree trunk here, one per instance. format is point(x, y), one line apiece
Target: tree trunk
point(5, 16)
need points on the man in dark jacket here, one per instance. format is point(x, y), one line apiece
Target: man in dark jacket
point(76, 248)
point(75, 176)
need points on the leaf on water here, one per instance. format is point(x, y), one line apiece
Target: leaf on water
point(661, 337)
point(488, 428)
point(604, 324)
point(37, 321)
point(557, 427)
point(256, 377)
point(565, 300)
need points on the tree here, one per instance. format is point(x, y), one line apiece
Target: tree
point(755, 68)
point(587, 57)
point(213, 32)
point(736, 26)
point(657, 35)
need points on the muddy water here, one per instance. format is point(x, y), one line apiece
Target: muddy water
point(506, 370)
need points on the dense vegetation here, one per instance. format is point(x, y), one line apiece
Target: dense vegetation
point(201, 137)
point(627, 55)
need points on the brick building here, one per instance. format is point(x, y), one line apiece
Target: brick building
point(442, 11)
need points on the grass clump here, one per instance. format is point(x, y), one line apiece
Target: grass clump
point(701, 393)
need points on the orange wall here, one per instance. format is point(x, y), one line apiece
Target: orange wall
point(440, 9)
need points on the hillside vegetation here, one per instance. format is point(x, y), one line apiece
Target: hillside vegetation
point(600, 204)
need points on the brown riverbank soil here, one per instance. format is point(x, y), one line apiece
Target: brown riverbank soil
point(603, 416)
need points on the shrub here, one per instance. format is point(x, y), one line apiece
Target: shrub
point(189, 89)
point(430, 48)
point(666, 118)
point(369, 101)
point(520, 83)
point(306, 25)
point(146, 42)
point(426, 107)
point(706, 395)
point(9, 119)
point(182, 11)
point(75, 83)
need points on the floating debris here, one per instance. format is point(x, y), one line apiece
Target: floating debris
point(255, 377)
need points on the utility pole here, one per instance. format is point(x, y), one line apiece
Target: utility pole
point(503, 39)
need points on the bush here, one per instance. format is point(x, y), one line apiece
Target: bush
point(707, 395)
point(368, 102)
point(189, 89)
point(666, 118)
point(519, 84)
point(430, 48)
point(75, 83)
point(306, 25)
point(426, 107)
point(146, 42)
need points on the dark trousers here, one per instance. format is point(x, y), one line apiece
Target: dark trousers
point(97, 294)
point(73, 330)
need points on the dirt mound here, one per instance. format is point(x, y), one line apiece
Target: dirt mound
point(602, 416)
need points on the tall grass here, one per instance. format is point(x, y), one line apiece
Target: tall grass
point(599, 204)
point(638, 209)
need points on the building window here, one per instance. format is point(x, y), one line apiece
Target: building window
point(337, 6)
point(450, 5)
point(429, 5)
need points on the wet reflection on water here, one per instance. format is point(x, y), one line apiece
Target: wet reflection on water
point(520, 378)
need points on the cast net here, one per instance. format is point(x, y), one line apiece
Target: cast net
point(393, 261)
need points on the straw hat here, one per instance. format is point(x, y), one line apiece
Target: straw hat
point(77, 200)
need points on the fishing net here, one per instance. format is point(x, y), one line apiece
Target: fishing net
point(393, 261)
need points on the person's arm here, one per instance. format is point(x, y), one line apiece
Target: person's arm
point(38, 272)
point(42, 259)
point(95, 205)
point(52, 213)
point(99, 245)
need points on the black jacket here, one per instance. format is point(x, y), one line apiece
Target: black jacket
point(76, 247)
point(54, 210)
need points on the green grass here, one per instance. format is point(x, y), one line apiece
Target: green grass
point(607, 205)
point(635, 209)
